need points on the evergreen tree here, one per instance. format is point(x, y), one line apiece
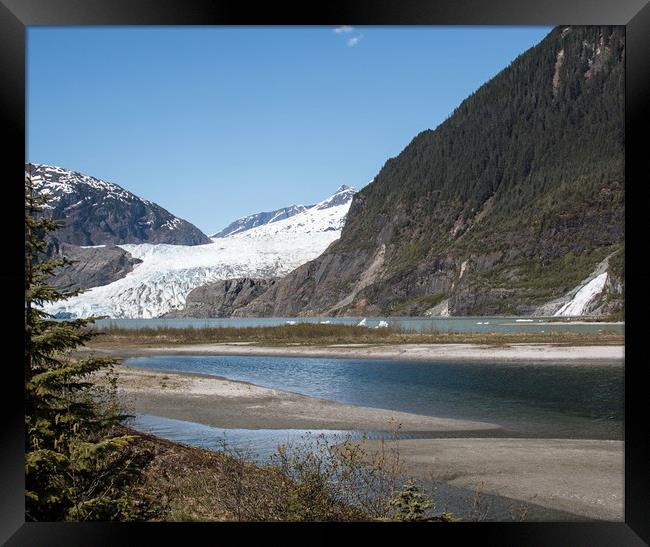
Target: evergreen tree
point(78, 465)
point(410, 504)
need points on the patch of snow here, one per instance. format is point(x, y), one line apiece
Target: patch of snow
point(172, 224)
point(58, 181)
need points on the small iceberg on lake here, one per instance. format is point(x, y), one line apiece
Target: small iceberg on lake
point(290, 322)
point(362, 323)
point(325, 322)
point(524, 320)
point(382, 325)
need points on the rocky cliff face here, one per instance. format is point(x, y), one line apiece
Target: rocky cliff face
point(102, 213)
point(222, 298)
point(509, 204)
point(92, 267)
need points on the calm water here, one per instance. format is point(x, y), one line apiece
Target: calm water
point(419, 324)
point(533, 400)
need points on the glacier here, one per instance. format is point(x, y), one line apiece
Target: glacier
point(168, 273)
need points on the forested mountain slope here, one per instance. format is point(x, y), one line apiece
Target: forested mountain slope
point(509, 204)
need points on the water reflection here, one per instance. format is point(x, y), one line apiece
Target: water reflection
point(553, 401)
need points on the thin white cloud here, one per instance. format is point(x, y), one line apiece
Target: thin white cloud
point(343, 29)
point(355, 40)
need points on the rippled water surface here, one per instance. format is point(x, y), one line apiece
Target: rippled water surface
point(526, 399)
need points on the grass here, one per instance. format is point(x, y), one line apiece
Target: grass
point(310, 334)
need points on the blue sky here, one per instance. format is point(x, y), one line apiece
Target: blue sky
point(214, 123)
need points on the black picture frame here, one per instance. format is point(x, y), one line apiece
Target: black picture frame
point(16, 15)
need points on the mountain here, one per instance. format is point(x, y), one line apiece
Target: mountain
point(259, 219)
point(507, 207)
point(102, 213)
point(325, 216)
point(166, 274)
point(343, 195)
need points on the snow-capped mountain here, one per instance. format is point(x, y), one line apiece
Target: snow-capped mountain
point(167, 273)
point(325, 216)
point(102, 213)
point(341, 197)
point(259, 219)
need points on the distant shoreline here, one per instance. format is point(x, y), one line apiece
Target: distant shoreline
point(534, 353)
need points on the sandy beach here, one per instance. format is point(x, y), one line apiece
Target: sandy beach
point(219, 402)
point(538, 353)
point(584, 477)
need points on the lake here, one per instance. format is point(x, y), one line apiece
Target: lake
point(417, 324)
point(525, 399)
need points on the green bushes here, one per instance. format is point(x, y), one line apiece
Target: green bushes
point(312, 480)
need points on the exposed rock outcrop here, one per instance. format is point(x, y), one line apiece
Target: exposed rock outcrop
point(92, 267)
point(222, 298)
